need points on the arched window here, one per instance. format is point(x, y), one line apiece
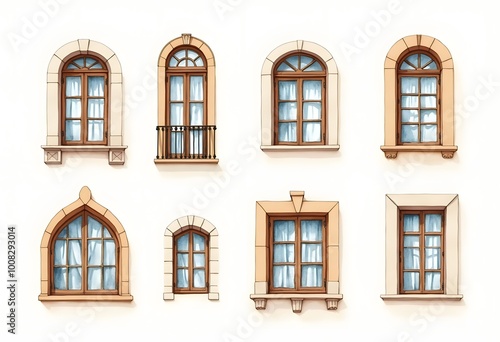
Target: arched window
point(299, 100)
point(191, 262)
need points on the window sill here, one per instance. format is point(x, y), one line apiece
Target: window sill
point(87, 298)
point(280, 148)
point(186, 161)
point(411, 297)
point(297, 299)
point(53, 153)
point(391, 151)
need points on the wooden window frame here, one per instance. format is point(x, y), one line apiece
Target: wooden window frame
point(84, 119)
point(190, 253)
point(421, 234)
point(299, 76)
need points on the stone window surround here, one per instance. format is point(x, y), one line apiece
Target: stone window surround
point(267, 116)
point(191, 222)
point(419, 43)
point(297, 205)
point(446, 202)
point(115, 148)
point(85, 201)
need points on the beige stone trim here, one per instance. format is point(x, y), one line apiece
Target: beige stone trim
point(85, 201)
point(332, 112)
point(115, 148)
point(182, 224)
point(296, 205)
point(446, 202)
point(419, 43)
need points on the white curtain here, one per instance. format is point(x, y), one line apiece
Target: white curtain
point(95, 108)
point(311, 231)
point(73, 108)
point(311, 110)
point(60, 278)
point(287, 91)
point(433, 245)
point(411, 253)
point(94, 279)
point(284, 275)
point(109, 278)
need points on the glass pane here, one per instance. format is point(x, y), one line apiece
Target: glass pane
point(198, 242)
point(96, 86)
point(192, 54)
point(177, 142)
point(411, 259)
point(75, 278)
point(311, 111)
point(182, 243)
point(196, 114)
point(176, 88)
point(80, 62)
point(284, 230)
point(89, 61)
point(106, 232)
point(96, 108)
point(72, 130)
point(409, 133)
point(196, 88)
point(432, 281)
point(314, 67)
point(94, 252)
point(182, 260)
point(94, 228)
point(311, 90)
point(411, 223)
point(109, 252)
point(429, 133)
point(190, 63)
point(60, 252)
point(75, 228)
point(409, 85)
point(199, 260)
point(109, 278)
point(428, 85)
point(311, 132)
point(96, 66)
point(311, 230)
point(433, 222)
point(432, 241)
point(413, 59)
point(411, 281)
point(284, 67)
point(199, 62)
point(431, 66)
point(312, 276)
point(60, 280)
point(304, 61)
point(196, 141)
point(73, 86)
point(287, 111)
point(94, 278)
point(283, 253)
point(283, 276)
point(63, 234)
point(432, 258)
point(293, 61)
point(287, 132)
point(96, 130)
point(406, 66)
point(73, 108)
point(287, 90)
point(75, 252)
point(312, 252)
point(181, 54)
point(409, 115)
point(199, 278)
point(409, 101)
point(176, 114)
point(182, 278)
point(428, 115)
point(411, 241)
point(424, 59)
point(428, 101)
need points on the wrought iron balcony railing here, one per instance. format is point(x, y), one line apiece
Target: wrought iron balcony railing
point(186, 142)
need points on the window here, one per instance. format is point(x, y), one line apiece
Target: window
point(297, 252)
point(84, 254)
point(419, 112)
point(421, 256)
point(299, 98)
point(191, 258)
point(186, 111)
point(84, 102)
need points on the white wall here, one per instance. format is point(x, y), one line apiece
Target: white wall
point(146, 197)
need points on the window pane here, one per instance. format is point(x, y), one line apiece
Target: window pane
point(196, 141)
point(432, 241)
point(72, 130)
point(75, 278)
point(196, 114)
point(182, 260)
point(432, 281)
point(411, 241)
point(311, 111)
point(409, 115)
point(293, 61)
point(60, 252)
point(63, 234)
point(73, 108)
point(196, 88)
point(198, 242)
point(411, 223)
point(411, 281)
point(433, 222)
point(304, 61)
point(312, 252)
point(285, 67)
point(311, 230)
point(409, 133)
point(109, 278)
point(94, 278)
point(176, 114)
point(80, 62)
point(311, 90)
point(96, 86)
point(409, 85)
point(429, 133)
point(182, 278)
point(413, 59)
point(199, 260)
point(424, 59)
point(432, 258)
point(176, 88)
point(73, 86)
point(287, 132)
point(287, 90)
point(314, 67)
point(284, 230)
point(106, 232)
point(94, 252)
point(94, 228)
point(96, 108)
point(96, 130)
point(428, 101)
point(199, 278)
point(60, 278)
point(428, 115)
point(75, 228)
point(192, 54)
point(406, 66)
point(283, 276)
point(283, 253)
point(287, 111)
point(312, 276)
point(428, 85)
point(431, 66)
point(409, 101)
point(109, 252)
point(177, 142)
point(411, 258)
point(311, 131)
point(182, 243)
point(75, 252)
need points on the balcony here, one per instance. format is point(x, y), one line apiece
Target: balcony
point(186, 144)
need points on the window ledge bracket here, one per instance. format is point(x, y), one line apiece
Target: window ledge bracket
point(391, 151)
point(296, 300)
